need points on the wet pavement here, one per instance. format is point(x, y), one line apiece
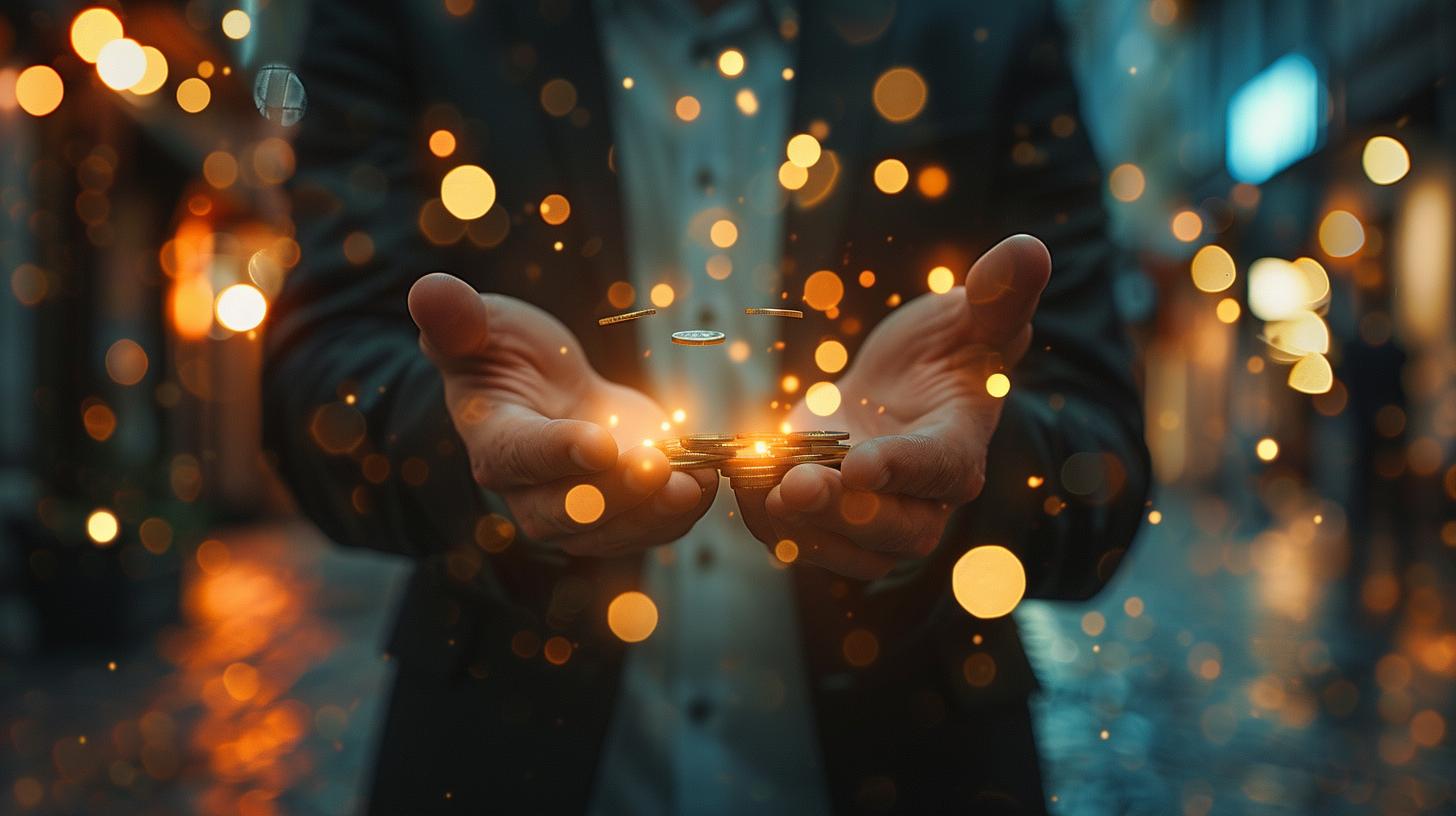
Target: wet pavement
point(1225, 671)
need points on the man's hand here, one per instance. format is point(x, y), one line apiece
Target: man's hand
point(534, 417)
point(915, 402)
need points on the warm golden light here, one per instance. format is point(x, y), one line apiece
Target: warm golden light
point(662, 295)
point(998, 385)
point(1312, 375)
point(236, 24)
point(240, 307)
point(126, 362)
point(1213, 269)
point(687, 108)
point(632, 616)
point(899, 94)
point(155, 75)
point(38, 90)
point(746, 101)
point(786, 551)
point(823, 290)
point(92, 29)
point(1187, 225)
point(803, 150)
point(792, 176)
point(940, 280)
point(240, 681)
point(1385, 160)
point(891, 176)
point(1126, 182)
point(442, 143)
point(988, 581)
point(723, 233)
point(102, 526)
point(467, 192)
point(1266, 449)
point(932, 181)
point(193, 95)
point(831, 356)
point(731, 62)
point(1228, 310)
point(1277, 289)
point(822, 398)
point(1341, 234)
point(585, 503)
point(555, 209)
point(789, 383)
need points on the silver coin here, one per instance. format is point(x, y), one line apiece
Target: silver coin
point(698, 337)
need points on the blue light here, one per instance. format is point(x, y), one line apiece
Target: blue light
point(1274, 119)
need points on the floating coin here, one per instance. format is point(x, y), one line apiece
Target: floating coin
point(815, 436)
point(713, 437)
point(758, 310)
point(698, 337)
point(623, 318)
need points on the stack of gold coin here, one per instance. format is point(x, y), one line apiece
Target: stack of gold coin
point(756, 461)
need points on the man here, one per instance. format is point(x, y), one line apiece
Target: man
point(413, 415)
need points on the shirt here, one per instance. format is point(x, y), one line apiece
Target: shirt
point(714, 714)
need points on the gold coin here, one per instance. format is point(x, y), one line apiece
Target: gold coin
point(699, 337)
point(623, 318)
point(760, 310)
point(817, 436)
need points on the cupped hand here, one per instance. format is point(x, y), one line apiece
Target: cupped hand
point(537, 421)
point(916, 404)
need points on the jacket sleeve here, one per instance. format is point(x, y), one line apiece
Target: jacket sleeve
point(354, 415)
point(1067, 470)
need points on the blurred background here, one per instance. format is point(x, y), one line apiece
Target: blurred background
point(1281, 639)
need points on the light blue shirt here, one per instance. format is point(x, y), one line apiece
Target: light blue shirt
point(714, 715)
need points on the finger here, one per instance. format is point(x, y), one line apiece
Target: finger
point(826, 549)
point(1003, 288)
point(899, 525)
point(451, 316)
point(553, 511)
point(512, 446)
point(662, 519)
point(755, 517)
point(922, 465)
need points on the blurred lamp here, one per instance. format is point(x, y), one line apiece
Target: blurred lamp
point(1274, 119)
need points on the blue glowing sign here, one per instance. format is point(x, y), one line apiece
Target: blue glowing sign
point(1274, 120)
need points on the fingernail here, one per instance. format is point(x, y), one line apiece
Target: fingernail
point(881, 481)
point(578, 455)
point(820, 499)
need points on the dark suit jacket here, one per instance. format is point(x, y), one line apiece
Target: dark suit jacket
point(474, 726)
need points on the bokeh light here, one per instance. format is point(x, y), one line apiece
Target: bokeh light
point(662, 295)
point(38, 90)
point(121, 63)
point(236, 24)
point(822, 399)
point(831, 356)
point(998, 385)
point(1126, 182)
point(803, 151)
point(632, 616)
point(1266, 449)
point(193, 95)
point(823, 290)
point(687, 108)
point(442, 143)
point(467, 192)
point(1385, 160)
point(585, 503)
point(731, 62)
point(241, 307)
point(92, 29)
point(102, 526)
point(988, 581)
point(155, 75)
point(891, 176)
point(555, 209)
point(723, 233)
point(932, 181)
point(899, 94)
point(940, 280)
point(1213, 269)
point(1312, 374)
point(1341, 234)
point(1277, 289)
point(792, 176)
point(1187, 225)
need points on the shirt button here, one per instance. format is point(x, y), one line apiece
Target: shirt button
point(699, 710)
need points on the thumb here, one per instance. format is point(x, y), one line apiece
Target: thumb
point(1003, 288)
point(450, 314)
